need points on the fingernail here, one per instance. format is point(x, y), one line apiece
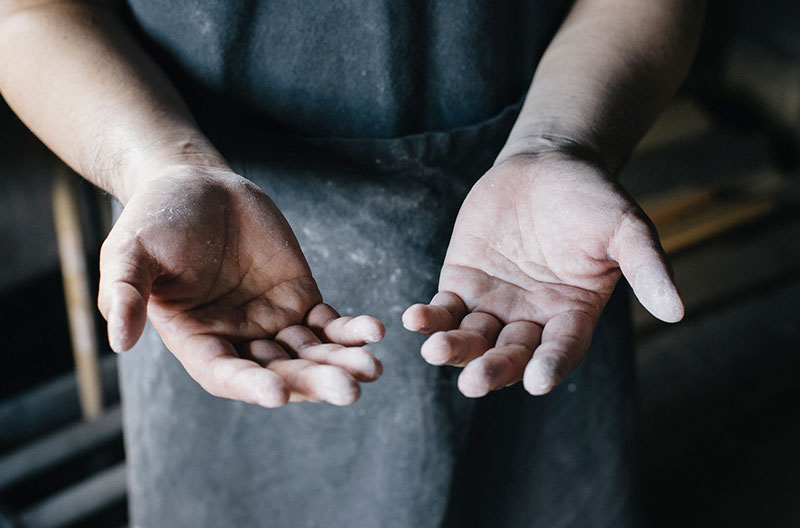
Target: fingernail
point(116, 332)
point(538, 383)
point(338, 389)
point(114, 342)
point(272, 397)
point(539, 378)
point(473, 384)
point(371, 330)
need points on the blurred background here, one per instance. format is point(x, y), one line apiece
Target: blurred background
point(720, 176)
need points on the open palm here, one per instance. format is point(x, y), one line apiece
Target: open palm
point(537, 249)
point(214, 264)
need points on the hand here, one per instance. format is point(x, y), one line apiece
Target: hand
point(214, 264)
point(536, 251)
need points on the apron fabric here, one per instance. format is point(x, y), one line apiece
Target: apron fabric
point(412, 452)
point(349, 68)
point(373, 216)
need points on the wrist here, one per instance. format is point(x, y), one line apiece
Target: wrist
point(167, 157)
point(546, 144)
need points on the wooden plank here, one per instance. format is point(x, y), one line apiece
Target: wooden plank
point(59, 447)
point(682, 121)
point(79, 501)
point(689, 215)
point(667, 207)
point(49, 406)
point(731, 266)
point(712, 221)
point(80, 304)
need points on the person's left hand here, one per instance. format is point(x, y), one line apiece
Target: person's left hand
point(536, 251)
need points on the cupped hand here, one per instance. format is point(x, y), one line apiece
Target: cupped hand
point(214, 264)
point(537, 248)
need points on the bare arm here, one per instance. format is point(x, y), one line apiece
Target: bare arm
point(245, 319)
point(543, 237)
point(80, 81)
point(607, 74)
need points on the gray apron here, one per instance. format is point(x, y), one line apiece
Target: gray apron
point(373, 218)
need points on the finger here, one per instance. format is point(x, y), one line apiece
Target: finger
point(565, 340)
point(296, 337)
point(263, 351)
point(444, 312)
point(304, 344)
point(347, 331)
point(476, 334)
point(359, 363)
point(213, 363)
point(644, 264)
point(306, 380)
point(504, 364)
point(127, 272)
point(318, 383)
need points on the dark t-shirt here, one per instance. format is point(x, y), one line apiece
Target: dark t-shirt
point(350, 68)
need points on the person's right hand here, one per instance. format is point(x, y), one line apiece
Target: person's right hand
point(214, 264)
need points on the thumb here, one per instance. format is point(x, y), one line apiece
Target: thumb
point(644, 264)
point(127, 273)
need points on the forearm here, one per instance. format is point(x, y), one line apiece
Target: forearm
point(608, 72)
point(79, 80)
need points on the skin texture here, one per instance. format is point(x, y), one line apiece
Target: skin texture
point(533, 260)
point(537, 248)
point(203, 253)
point(213, 263)
point(542, 239)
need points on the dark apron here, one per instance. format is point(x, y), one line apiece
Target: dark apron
point(373, 218)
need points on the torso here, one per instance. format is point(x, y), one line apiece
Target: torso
point(350, 68)
point(372, 206)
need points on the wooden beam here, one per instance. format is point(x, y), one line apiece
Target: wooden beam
point(80, 304)
point(49, 406)
point(59, 447)
point(79, 501)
